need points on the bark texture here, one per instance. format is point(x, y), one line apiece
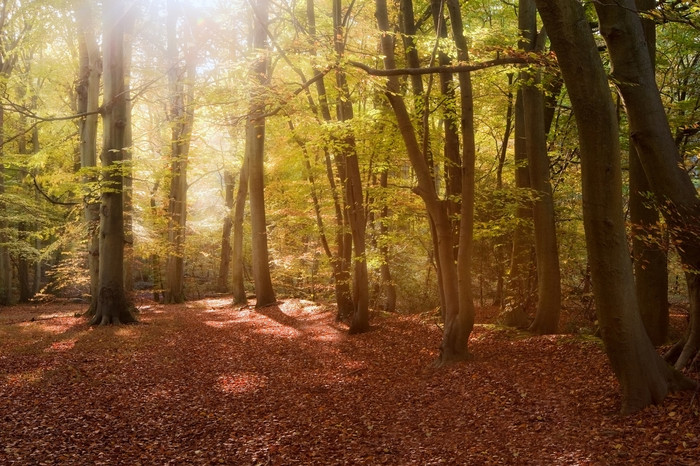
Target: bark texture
point(255, 151)
point(548, 275)
point(113, 306)
point(633, 73)
point(644, 376)
point(88, 91)
point(648, 240)
point(181, 117)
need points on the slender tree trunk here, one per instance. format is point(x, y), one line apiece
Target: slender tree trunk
point(519, 288)
point(112, 304)
point(341, 259)
point(181, 116)
point(633, 73)
point(6, 66)
point(255, 151)
point(353, 186)
point(650, 263)
point(644, 376)
point(225, 262)
point(388, 286)
point(155, 257)
point(88, 91)
point(237, 256)
point(453, 279)
point(548, 276)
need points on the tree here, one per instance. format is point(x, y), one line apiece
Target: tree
point(181, 118)
point(548, 277)
point(225, 261)
point(352, 181)
point(644, 376)
point(454, 276)
point(634, 77)
point(650, 262)
point(113, 306)
point(255, 152)
point(8, 57)
point(237, 269)
point(88, 92)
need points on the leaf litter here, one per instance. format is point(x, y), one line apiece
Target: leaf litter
point(209, 383)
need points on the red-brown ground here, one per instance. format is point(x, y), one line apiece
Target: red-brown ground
point(210, 384)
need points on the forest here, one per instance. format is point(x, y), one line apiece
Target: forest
point(278, 232)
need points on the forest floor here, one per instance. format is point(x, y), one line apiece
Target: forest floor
point(207, 383)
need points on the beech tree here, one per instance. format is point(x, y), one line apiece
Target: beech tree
point(650, 261)
point(181, 116)
point(644, 377)
point(88, 92)
point(113, 306)
point(454, 275)
point(548, 277)
point(634, 77)
point(255, 153)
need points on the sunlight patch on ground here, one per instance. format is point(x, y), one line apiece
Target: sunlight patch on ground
point(125, 332)
point(329, 335)
point(241, 383)
point(60, 346)
point(219, 323)
point(279, 331)
point(25, 378)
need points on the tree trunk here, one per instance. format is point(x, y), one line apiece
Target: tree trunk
point(388, 286)
point(88, 92)
point(456, 314)
point(112, 304)
point(548, 276)
point(644, 376)
point(352, 184)
point(633, 73)
point(341, 259)
point(181, 117)
point(237, 256)
point(255, 150)
point(650, 262)
point(225, 262)
point(128, 162)
point(467, 186)
point(5, 262)
point(519, 287)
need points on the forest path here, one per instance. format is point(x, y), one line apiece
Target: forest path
point(207, 383)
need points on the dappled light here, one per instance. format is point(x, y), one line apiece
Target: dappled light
point(349, 232)
point(64, 345)
point(289, 383)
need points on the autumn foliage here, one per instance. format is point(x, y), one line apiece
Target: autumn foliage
point(207, 383)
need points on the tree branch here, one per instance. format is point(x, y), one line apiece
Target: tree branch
point(511, 60)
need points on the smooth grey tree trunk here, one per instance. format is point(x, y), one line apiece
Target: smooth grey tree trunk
point(181, 116)
point(88, 92)
point(113, 306)
point(648, 248)
point(255, 151)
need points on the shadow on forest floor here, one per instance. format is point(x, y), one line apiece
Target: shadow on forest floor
point(208, 383)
